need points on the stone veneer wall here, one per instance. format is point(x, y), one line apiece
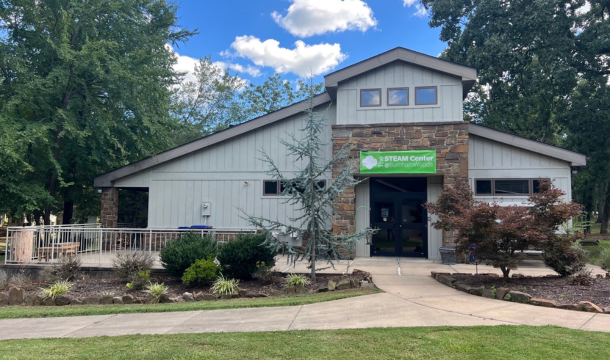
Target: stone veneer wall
point(449, 139)
point(110, 207)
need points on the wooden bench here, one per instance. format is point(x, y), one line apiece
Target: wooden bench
point(61, 249)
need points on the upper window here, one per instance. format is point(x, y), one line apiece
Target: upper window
point(370, 97)
point(507, 187)
point(398, 96)
point(426, 95)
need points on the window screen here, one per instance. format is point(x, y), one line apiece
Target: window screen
point(512, 187)
point(483, 187)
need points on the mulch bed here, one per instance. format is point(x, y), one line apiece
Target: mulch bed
point(562, 290)
point(86, 287)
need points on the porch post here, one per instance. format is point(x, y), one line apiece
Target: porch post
point(110, 207)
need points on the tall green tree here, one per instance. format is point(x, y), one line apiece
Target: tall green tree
point(85, 87)
point(535, 60)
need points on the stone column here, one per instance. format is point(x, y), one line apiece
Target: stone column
point(110, 207)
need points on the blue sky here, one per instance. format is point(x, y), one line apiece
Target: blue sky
point(259, 37)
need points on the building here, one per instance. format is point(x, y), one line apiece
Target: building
point(402, 110)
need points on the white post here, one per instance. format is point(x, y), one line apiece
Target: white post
point(99, 249)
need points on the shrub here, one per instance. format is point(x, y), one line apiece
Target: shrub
point(156, 290)
point(128, 265)
point(263, 272)
point(583, 278)
point(224, 286)
point(604, 258)
point(239, 257)
point(565, 258)
point(293, 280)
point(202, 272)
point(139, 279)
point(58, 288)
point(178, 254)
point(500, 232)
point(67, 268)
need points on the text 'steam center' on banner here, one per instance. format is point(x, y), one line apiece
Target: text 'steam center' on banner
point(398, 162)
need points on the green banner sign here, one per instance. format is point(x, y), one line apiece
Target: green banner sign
point(398, 162)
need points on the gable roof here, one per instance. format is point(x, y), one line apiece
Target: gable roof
point(107, 179)
point(575, 159)
point(466, 73)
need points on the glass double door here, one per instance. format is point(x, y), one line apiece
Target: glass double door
point(402, 223)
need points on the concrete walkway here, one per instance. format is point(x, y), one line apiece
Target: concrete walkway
point(412, 298)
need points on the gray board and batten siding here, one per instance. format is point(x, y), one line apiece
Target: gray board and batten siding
point(229, 175)
point(399, 75)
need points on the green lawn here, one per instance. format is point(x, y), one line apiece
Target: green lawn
point(494, 342)
point(595, 250)
point(13, 312)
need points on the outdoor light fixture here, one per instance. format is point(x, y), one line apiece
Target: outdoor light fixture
point(574, 171)
point(98, 190)
point(369, 236)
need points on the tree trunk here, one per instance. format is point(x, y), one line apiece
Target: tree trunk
point(606, 212)
point(313, 256)
point(68, 211)
point(505, 271)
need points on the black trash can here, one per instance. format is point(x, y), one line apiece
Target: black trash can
point(447, 255)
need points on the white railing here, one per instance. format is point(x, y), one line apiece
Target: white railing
point(94, 245)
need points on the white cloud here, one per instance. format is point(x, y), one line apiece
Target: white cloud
point(314, 17)
point(420, 10)
point(304, 58)
point(186, 64)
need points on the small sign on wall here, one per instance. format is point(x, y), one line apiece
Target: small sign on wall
point(398, 162)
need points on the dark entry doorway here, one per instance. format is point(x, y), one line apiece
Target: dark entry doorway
point(397, 211)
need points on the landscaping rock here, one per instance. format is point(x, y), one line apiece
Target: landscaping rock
point(225, 297)
point(15, 296)
point(243, 293)
point(234, 295)
point(354, 283)
point(487, 293)
point(31, 300)
point(501, 292)
point(76, 301)
point(517, 275)
point(188, 297)
point(543, 302)
point(300, 289)
point(568, 307)
point(209, 297)
point(164, 299)
point(331, 285)
point(518, 296)
point(138, 301)
point(478, 291)
point(589, 307)
point(92, 300)
point(62, 300)
point(128, 299)
point(607, 310)
point(117, 300)
point(260, 295)
point(463, 287)
point(291, 290)
point(446, 280)
point(276, 293)
point(198, 296)
point(367, 285)
point(436, 273)
point(48, 302)
point(343, 284)
point(323, 289)
point(3, 299)
point(106, 299)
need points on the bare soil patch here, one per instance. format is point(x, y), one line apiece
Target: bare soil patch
point(562, 290)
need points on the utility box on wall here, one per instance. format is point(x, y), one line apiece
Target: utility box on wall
point(206, 209)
